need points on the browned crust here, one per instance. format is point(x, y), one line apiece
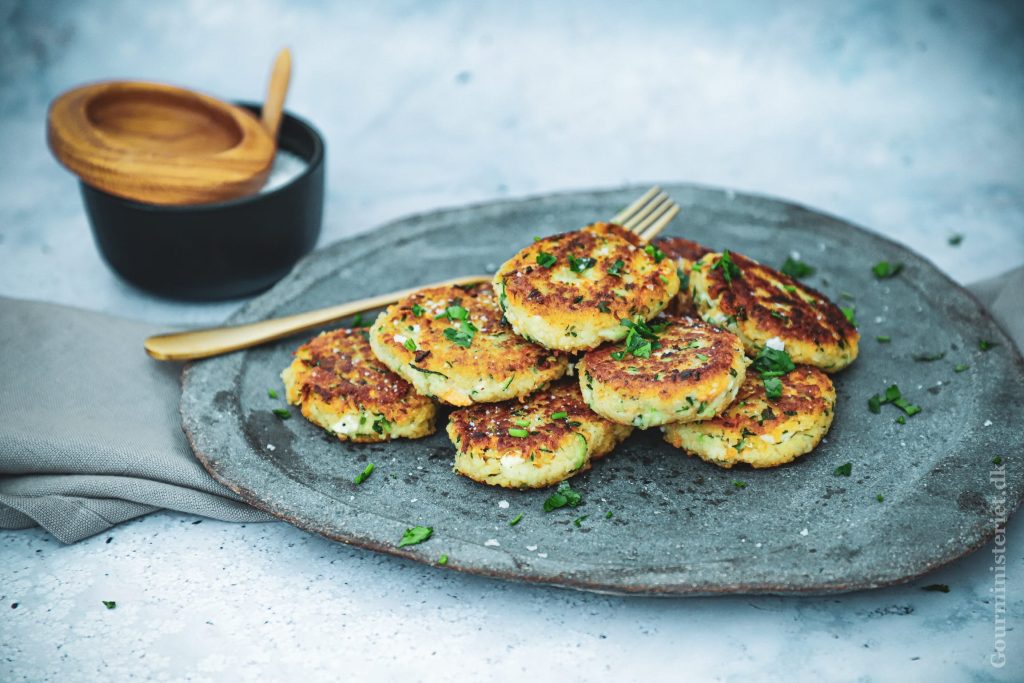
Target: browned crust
point(805, 391)
point(673, 368)
point(758, 296)
point(684, 252)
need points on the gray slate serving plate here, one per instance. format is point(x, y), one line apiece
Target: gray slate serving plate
point(678, 526)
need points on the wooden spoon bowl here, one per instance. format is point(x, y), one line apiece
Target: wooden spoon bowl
point(158, 143)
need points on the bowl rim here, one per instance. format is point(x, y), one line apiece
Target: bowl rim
point(314, 161)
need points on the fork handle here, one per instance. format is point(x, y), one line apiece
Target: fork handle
point(214, 341)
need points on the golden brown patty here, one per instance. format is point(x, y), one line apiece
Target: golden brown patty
point(468, 355)
point(759, 431)
point(570, 291)
point(760, 304)
point(684, 252)
point(340, 386)
point(541, 441)
point(693, 373)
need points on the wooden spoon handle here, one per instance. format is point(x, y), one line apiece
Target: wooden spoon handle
point(215, 341)
point(277, 89)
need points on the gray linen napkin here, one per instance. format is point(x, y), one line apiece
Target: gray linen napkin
point(90, 434)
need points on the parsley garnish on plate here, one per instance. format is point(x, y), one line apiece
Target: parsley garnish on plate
point(895, 397)
point(884, 269)
point(381, 425)
point(603, 307)
point(739, 484)
point(515, 520)
point(844, 470)
point(563, 495)
point(773, 362)
point(417, 310)
point(883, 339)
point(282, 413)
point(848, 312)
point(462, 336)
point(109, 604)
point(955, 240)
point(796, 269)
point(546, 260)
point(998, 460)
point(772, 388)
point(454, 313)
point(415, 535)
point(364, 475)
point(960, 367)
point(560, 415)
point(985, 344)
point(443, 560)
point(579, 520)
point(409, 344)
point(357, 321)
point(654, 253)
point(929, 357)
point(578, 265)
point(608, 515)
point(879, 497)
point(616, 268)
point(271, 393)
point(730, 271)
point(641, 339)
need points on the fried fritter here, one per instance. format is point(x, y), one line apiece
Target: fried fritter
point(341, 387)
point(684, 252)
point(569, 291)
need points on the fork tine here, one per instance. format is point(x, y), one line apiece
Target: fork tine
point(628, 212)
point(643, 217)
point(659, 225)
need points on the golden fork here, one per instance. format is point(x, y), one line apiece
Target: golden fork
point(646, 217)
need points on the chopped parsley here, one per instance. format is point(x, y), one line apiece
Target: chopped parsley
point(960, 367)
point(271, 393)
point(462, 336)
point(998, 460)
point(884, 269)
point(415, 535)
point(901, 420)
point(730, 271)
point(409, 344)
point(563, 495)
point(417, 310)
point(844, 470)
point(654, 253)
point(773, 362)
point(518, 432)
point(364, 475)
point(879, 497)
point(740, 484)
point(929, 357)
point(578, 265)
point(523, 423)
point(618, 355)
point(985, 344)
point(109, 604)
point(381, 425)
point(955, 240)
point(848, 312)
point(560, 415)
point(603, 307)
point(443, 560)
point(546, 260)
point(282, 413)
point(641, 339)
point(453, 313)
point(895, 397)
point(515, 520)
point(608, 515)
point(357, 321)
point(703, 358)
point(795, 268)
point(616, 268)
point(579, 520)
point(883, 339)
point(936, 588)
point(428, 372)
point(772, 388)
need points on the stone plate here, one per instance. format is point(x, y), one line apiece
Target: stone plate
point(677, 526)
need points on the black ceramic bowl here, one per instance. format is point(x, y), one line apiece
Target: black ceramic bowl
point(221, 250)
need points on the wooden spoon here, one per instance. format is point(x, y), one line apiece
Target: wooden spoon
point(161, 144)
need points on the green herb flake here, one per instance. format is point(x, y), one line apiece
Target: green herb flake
point(443, 560)
point(955, 240)
point(608, 515)
point(740, 484)
point(381, 425)
point(463, 336)
point(546, 260)
point(603, 307)
point(730, 271)
point(271, 393)
point(875, 404)
point(518, 433)
point(901, 420)
point(772, 388)
point(618, 355)
point(578, 265)
point(998, 460)
point(985, 344)
point(703, 358)
point(560, 415)
point(357, 321)
point(417, 310)
point(454, 313)
point(654, 253)
point(579, 520)
point(929, 357)
point(415, 535)
point(844, 470)
point(960, 367)
point(796, 268)
point(848, 312)
point(936, 588)
point(772, 363)
point(563, 495)
point(616, 268)
point(884, 269)
point(523, 423)
point(515, 520)
point(409, 344)
point(109, 604)
point(883, 339)
point(879, 497)
point(282, 413)
point(364, 475)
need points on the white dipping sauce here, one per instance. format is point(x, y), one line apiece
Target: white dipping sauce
point(287, 166)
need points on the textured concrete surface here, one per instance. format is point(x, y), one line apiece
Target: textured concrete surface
point(905, 117)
